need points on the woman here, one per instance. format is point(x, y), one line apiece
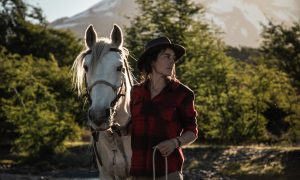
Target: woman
point(162, 112)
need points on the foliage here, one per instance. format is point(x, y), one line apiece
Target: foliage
point(38, 108)
point(160, 18)
point(239, 101)
point(19, 35)
point(281, 49)
point(235, 100)
point(33, 100)
point(242, 53)
point(17, 9)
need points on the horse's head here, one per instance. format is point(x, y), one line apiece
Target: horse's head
point(101, 67)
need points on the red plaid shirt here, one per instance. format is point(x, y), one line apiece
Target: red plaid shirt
point(164, 117)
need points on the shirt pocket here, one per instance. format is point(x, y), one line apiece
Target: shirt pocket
point(168, 112)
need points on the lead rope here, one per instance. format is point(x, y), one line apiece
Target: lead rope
point(153, 164)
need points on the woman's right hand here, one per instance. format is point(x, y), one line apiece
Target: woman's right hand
point(167, 147)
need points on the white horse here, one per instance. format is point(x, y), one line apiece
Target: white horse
point(102, 71)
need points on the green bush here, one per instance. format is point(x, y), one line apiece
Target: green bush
point(32, 102)
point(237, 102)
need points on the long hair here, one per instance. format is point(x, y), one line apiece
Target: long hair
point(147, 65)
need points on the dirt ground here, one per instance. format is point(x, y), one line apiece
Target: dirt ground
point(201, 162)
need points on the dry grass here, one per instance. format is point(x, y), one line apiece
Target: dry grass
point(244, 161)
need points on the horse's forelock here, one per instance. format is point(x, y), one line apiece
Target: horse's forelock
point(99, 49)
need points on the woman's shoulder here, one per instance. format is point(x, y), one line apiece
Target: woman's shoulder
point(138, 88)
point(138, 85)
point(179, 86)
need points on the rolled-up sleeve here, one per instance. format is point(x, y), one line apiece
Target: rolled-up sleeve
point(188, 113)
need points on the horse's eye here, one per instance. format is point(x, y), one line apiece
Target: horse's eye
point(86, 68)
point(120, 68)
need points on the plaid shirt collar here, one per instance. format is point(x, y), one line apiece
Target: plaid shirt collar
point(170, 85)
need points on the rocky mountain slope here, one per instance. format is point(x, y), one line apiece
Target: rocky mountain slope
point(240, 20)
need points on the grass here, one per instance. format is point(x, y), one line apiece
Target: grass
point(6, 161)
point(254, 146)
point(70, 144)
point(248, 161)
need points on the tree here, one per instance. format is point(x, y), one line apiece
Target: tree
point(38, 108)
point(281, 49)
point(20, 35)
point(32, 101)
point(170, 18)
point(233, 98)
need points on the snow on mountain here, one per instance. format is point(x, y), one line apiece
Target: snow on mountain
point(105, 5)
point(102, 15)
point(240, 20)
point(102, 6)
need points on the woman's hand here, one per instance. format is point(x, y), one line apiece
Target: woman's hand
point(167, 147)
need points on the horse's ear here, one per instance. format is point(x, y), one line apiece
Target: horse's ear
point(90, 36)
point(116, 36)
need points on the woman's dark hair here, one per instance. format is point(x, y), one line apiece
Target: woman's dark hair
point(147, 65)
point(149, 59)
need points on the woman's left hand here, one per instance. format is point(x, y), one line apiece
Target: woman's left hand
point(167, 147)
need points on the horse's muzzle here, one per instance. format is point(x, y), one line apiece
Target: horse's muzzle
point(100, 119)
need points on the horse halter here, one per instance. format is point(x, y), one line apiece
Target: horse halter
point(118, 89)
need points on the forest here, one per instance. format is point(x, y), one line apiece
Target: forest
point(244, 96)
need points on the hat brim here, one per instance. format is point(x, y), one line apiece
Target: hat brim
point(178, 50)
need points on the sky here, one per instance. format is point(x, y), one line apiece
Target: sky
point(54, 9)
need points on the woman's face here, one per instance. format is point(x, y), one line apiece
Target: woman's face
point(164, 63)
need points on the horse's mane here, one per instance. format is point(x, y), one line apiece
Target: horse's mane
point(99, 49)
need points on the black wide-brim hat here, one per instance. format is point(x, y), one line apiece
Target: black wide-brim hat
point(156, 44)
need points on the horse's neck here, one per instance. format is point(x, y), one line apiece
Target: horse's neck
point(122, 113)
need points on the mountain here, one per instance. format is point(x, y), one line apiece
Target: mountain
point(240, 20)
point(102, 15)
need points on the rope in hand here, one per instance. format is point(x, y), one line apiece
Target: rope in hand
point(153, 164)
